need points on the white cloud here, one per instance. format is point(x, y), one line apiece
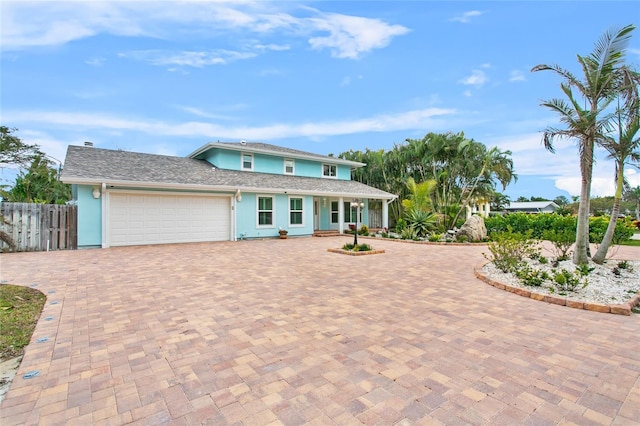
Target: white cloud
point(477, 78)
point(201, 113)
point(187, 58)
point(350, 36)
point(95, 62)
point(274, 47)
point(27, 24)
point(465, 18)
point(415, 119)
point(516, 75)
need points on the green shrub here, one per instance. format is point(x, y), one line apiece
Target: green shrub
point(435, 237)
point(408, 233)
point(401, 224)
point(364, 230)
point(562, 240)
point(530, 276)
point(421, 221)
point(584, 269)
point(359, 247)
point(565, 281)
point(623, 264)
point(509, 249)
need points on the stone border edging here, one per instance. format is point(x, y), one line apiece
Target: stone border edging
point(355, 253)
point(435, 243)
point(619, 309)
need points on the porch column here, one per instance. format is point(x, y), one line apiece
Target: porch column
point(341, 215)
point(385, 214)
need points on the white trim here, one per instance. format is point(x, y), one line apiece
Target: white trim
point(329, 176)
point(226, 188)
point(296, 225)
point(273, 211)
point(242, 168)
point(293, 166)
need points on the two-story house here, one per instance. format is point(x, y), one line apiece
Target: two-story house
point(222, 191)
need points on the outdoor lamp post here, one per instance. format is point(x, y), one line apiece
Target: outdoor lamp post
point(358, 205)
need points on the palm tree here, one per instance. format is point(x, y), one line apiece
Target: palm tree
point(496, 164)
point(633, 195)
point(625, 148)
point(597, 90)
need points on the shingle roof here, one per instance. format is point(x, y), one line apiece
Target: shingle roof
point(273, 149)
point(532, 204)
point(88, 165)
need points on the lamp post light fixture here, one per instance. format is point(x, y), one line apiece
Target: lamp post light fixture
point(358, 205)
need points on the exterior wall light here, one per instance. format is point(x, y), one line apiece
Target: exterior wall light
point(96, 192)
point(238, 196)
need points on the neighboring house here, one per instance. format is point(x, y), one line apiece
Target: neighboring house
point(222, 191)
point(532, 207)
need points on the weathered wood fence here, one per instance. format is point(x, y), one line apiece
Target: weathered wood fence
point(40, 227)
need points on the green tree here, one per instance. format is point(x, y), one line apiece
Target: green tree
point(39, 184)
point(499, 201)
point(624, 148)
point(561, 200)
point(586, 124)
point(13, 151)
point(633, 195)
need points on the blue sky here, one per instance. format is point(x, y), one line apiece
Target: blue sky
point(167, 77)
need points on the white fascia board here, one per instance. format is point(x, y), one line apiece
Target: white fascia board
point(223, 188)
point(246, 148)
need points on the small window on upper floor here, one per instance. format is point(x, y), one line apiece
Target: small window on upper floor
point(289, 167)
point(329, 170)
point(247, 161)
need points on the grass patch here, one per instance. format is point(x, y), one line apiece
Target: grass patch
point(20, 308)
point(633, 243)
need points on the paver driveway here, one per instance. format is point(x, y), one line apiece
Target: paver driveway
point(283, 332)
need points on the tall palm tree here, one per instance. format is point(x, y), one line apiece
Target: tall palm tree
point(633, 195)
point(622, 150)
point(586, 124)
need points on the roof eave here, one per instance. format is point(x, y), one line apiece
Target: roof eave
point(222, 188)
point(246, 148)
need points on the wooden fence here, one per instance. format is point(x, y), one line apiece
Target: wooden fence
point(40, 227)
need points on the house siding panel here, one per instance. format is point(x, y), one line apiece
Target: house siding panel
point(89, 217)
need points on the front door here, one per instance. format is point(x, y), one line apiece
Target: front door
point(335, 215)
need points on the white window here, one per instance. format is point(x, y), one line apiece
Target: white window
point(296, 211)
point(289, 167)
point(329, 170)
point(247, 161)
point(265, 211)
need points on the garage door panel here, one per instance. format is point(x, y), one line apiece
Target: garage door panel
point(138, 219)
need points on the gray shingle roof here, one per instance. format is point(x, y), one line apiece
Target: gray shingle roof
point(266, 148)
point(90, 165)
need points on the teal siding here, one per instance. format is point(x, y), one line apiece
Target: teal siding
point(247, 218)
point(224, 159)
point(89, 217)
point(344, 172)
point(227, 159)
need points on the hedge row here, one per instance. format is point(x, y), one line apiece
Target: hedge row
point(539, 223)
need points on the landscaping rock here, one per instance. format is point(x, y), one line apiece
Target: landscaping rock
point(473, 229)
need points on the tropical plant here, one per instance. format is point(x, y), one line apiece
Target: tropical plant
point(633, 195)
point(39, 184)
point(624, 148)
point(587, 124)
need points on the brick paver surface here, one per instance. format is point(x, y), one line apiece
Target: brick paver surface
point(284, 332)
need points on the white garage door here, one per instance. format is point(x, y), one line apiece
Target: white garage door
point(138, 219)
